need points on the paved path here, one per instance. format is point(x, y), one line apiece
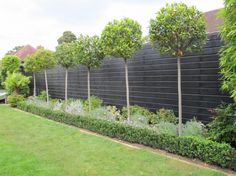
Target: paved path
point(3, 94)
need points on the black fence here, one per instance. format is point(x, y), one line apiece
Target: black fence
point(153, 81)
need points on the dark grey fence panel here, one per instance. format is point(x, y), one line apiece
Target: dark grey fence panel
point(153, 81)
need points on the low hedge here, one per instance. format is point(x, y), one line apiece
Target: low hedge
point(193, 147)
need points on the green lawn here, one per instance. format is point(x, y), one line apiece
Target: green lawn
point(35, 146)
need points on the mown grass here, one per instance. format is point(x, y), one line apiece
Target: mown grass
point(35, 146)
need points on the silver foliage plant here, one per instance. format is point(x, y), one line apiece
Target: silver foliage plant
point(112, 113)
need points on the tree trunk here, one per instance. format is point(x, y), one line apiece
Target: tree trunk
point(88, 81)
point(66, 85)
point(46, 83)
point(127, 90)
point(179, 96)
point(34, 94)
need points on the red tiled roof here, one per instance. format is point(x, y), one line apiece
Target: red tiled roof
point(24, 52)
point(213, 21)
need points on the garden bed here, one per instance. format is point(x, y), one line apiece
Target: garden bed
point(193, 147)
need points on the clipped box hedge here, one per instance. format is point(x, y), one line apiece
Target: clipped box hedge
point(193, 147)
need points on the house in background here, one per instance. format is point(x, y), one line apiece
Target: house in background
point(213, 21)
point(25, 51)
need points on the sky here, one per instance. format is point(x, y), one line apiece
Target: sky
point(42, 22)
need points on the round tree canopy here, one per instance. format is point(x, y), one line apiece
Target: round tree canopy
point(67, 37)
point(121, 38)
point(65, 55)
point(32, 65)
point(88, 51)
point(178, 29)
point(45, 58)
point(10, 63)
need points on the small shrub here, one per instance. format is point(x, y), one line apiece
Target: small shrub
point(194, 128)
point(74, 107)
point(107, 113)
point(99, 113)
point(14, 99)
point(166, 128)
point(137, 112)
point(57, 105)
point(140, 119)
point(223, 127)
point(16, 82)
point(43, 95)
point(1, 77)
point(164, 115)
point(114, 112)
point(95, 103)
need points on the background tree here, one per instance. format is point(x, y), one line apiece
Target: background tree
point(14, 50)
point(122, 38)
point(178, 29)
point(46, 61)
point(32, 65)
point(88, 53)
point(65, 57)
point(228, 52)
point(67, 37)
point(9, 64)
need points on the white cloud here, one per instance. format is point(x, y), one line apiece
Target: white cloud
point(41, 22)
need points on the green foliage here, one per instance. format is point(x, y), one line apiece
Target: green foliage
point(45, 58)
point(96, 102)
point(110, 113)
point(88, 51)
point(164, 115)
point(15, 49)
point(223, 127)
point(178, 29)
point(1, 81)
point(67, 37)
point(228, 52)
point(14, 99)
point(137, 110)
point(64, 55)
point(115, 112)
point(1, 77)
point(166, 128)
point(43, 95)
point(100, 112)
point(9, 64)
point(194, 128)
point(138, 120)
point(121, 38)
point(32, 64)
point(16, 82)
point(146, 39)
point(193, 147)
